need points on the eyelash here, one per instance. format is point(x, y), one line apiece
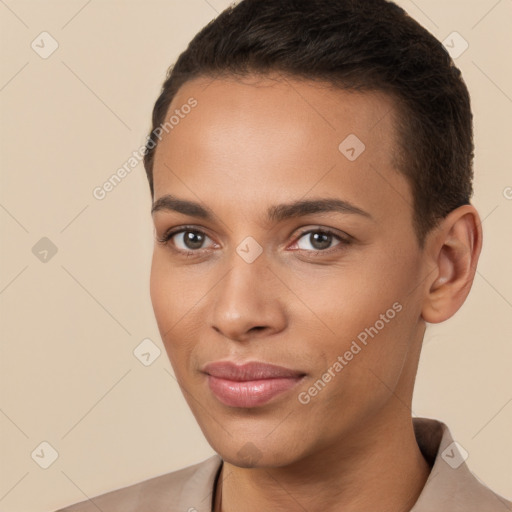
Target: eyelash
point(166, 237)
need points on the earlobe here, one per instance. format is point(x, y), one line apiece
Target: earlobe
point(455, 248)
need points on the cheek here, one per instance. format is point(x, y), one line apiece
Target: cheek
point(347, 300)
point(167, 305)
point(173, 292)
point(175, 298)
point(367, 313)
point(159, 285)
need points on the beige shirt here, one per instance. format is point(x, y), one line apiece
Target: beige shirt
point(450, 487)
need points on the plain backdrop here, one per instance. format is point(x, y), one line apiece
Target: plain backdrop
point(74, 281)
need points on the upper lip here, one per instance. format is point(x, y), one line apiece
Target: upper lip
point(253, 370)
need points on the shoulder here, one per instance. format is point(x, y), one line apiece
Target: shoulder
point(451, 486)
point(189, 487)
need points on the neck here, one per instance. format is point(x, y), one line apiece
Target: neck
point(382, 470)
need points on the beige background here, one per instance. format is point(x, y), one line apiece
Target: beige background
point(69, 326)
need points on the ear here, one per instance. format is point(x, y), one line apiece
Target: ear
point(453, 249)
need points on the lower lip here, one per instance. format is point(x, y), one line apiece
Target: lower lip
point(250, 393)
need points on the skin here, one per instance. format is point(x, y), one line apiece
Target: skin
point(261, 141)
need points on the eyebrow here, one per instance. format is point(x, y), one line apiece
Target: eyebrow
point(275, 213)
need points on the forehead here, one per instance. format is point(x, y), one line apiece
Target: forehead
point(274, 102)
point(266, 135)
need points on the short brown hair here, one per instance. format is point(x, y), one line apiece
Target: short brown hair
point(359, 45)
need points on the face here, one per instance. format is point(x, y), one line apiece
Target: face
point(299, 252)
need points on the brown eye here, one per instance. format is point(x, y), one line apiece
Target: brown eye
point(318, 240)
point(192, 239)
point(185, 240)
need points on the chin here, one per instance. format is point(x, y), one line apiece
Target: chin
point(256, 453)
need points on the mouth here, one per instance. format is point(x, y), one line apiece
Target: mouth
point(251, 384)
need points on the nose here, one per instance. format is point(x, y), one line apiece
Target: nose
point(248, 302)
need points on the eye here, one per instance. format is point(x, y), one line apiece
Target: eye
point(320, 240)
point(187, 240)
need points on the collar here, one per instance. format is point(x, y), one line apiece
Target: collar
point(450, 486)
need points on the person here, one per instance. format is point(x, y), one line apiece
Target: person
point(310, 167)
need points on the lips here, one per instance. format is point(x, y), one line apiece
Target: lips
point(249, 371)
point(250, 384)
